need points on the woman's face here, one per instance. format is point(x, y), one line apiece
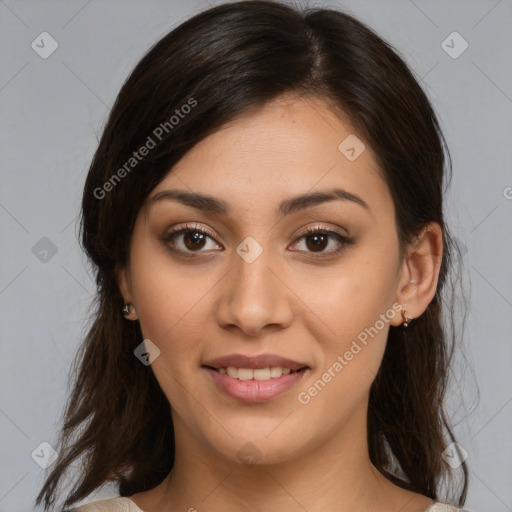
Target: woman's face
point(247, 287)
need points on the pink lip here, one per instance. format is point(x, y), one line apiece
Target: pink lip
point(255, 390)
point(259, 361)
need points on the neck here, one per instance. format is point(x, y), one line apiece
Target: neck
point(333, 475)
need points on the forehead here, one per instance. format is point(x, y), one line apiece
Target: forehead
point(288, 147)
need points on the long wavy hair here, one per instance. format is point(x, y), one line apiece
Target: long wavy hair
point(225, 60)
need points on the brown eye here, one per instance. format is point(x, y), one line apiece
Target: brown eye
point(317, 242)
point(189, 239)
point(317, 239)
point(194, 239)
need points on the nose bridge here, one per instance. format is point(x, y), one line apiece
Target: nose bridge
point(253, 297)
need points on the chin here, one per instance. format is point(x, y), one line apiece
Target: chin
point(265, 445)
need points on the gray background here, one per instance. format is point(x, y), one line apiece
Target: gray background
point(53, 111)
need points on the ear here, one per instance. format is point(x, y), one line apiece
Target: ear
point(418, 279)
point(125, 287)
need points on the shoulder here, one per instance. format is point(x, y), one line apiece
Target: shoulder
point(118, 504)
point(440, 506)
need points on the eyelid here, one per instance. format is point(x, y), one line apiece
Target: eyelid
point(199, 227)
point(190, 227)
point(342, 239)
point(323, 227)
point(174, 231)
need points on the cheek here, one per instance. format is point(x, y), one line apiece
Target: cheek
point(351, 296)
point(353, 310)
point(174, 321)
point(357, 314)
point(167, 294)
point(171, 307)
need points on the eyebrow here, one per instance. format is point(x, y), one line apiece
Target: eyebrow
point(207, 203)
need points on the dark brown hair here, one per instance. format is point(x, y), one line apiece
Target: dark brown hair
point(225, 61)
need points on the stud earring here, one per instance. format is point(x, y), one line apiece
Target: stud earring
point(407, 320)
point(127, 309)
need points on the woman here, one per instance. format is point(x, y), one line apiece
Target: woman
point(265, 217)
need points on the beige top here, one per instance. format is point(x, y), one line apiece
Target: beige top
point(121, 504)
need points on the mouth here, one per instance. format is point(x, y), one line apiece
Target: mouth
point(261, 374)
point(255, 378)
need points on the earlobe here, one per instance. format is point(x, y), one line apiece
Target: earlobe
point(124, 282)
point(129, 311)
point(418, 282)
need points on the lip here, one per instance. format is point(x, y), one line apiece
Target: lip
point(252, 362)
point(253, 391)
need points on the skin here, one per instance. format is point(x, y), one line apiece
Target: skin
point(312, 457)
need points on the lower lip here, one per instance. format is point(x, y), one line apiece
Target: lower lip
point(255, 390)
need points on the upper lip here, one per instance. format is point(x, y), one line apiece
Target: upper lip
point(259, 361)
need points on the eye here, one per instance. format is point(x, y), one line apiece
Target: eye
point(189, 239)
point(317, 238)
point(192, 238)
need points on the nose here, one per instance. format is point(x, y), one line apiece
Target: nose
point(253, 297)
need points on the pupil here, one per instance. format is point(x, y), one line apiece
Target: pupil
point(193, 239)
point(319, 243)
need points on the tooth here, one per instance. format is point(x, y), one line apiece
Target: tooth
point(245, 373)
point(232, 371)
point(273, 372)
point(262, 374)
point(276, 371)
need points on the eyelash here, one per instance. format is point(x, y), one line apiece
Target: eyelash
point(315, 230)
